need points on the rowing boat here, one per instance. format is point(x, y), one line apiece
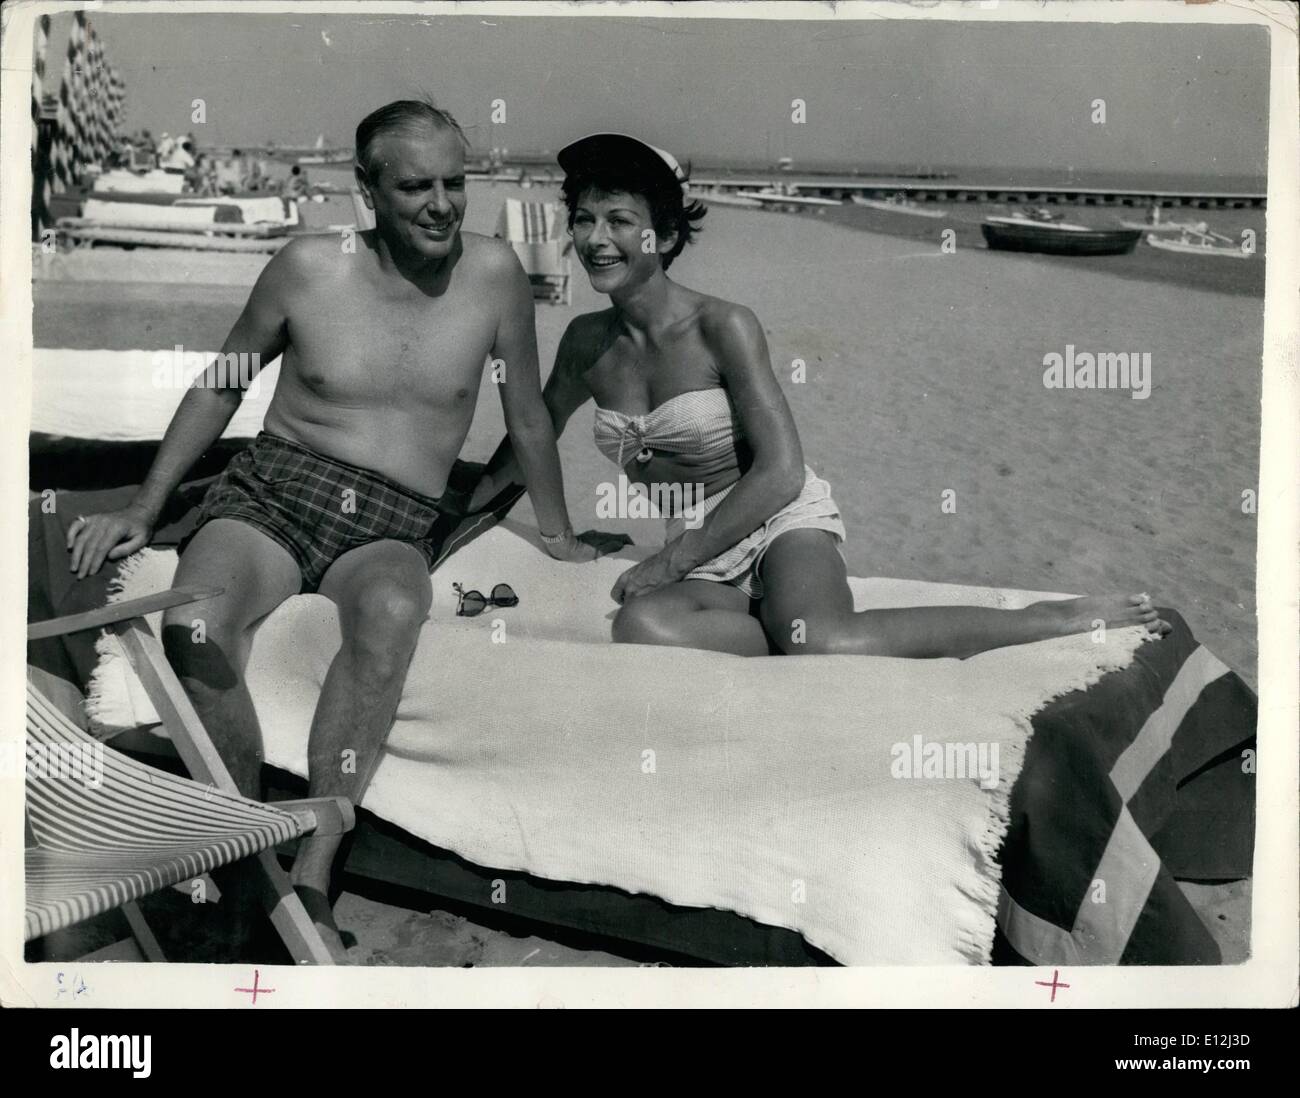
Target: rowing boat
point(1198, 242)
point(896, 205)
point(1029, 234)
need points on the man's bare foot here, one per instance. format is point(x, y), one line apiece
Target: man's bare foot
point(311, 875)
point(1116, 611)
point(322, 916)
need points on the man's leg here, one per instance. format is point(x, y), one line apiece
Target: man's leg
point(208, 642)
point(383, 595)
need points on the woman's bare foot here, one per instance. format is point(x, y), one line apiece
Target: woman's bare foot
point(1116, 611)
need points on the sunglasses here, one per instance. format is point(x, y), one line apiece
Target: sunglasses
point(473, 603)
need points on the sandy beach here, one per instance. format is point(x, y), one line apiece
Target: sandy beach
point(924, 373)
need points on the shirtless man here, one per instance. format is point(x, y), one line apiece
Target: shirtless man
point(382, 351)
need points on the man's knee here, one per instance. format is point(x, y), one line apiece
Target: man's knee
point(382, 624)
point(204, 645)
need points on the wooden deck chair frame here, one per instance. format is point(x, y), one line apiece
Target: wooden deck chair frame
point(544, 258)
point(319, 816)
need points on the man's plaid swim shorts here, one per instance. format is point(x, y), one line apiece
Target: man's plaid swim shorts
point(319, 508)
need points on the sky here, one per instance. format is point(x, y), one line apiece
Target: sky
point(1180, 100)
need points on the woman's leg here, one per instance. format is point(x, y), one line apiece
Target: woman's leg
point(692, 614)
point(808, 609)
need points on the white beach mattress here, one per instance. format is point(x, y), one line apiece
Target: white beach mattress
point(128, 396)
point(525, 740)
point(121, 181)
point(252, 210)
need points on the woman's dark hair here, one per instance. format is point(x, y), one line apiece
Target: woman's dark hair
point(402, 114)
point(669, 211)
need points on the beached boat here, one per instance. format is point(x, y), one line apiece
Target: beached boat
point(1044, 232)
point(777, 198)
point(322, 153)
point(1197, 241)
point(722, 198)
point(1164, 226)
point(900, 205)
point(333, 156)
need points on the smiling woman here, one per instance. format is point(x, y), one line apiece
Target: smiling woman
point(610, 164)
point(685, 394)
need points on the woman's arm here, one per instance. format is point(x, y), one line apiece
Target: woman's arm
point(773, 480)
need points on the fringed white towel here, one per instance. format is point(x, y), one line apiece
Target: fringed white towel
point(526, 741)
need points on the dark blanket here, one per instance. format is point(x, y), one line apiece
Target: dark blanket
point(1145, 777)
point(1126, 786)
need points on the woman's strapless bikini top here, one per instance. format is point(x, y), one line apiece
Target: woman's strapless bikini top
point(699, 428)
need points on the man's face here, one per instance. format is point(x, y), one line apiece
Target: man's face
point(416, 186)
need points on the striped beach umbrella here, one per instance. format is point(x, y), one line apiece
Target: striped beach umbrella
point(101, 137)
point(92, 101)
point(77, 92)
point(38, 76)
point(116, 101)
point(40, 160)
point(66, 151)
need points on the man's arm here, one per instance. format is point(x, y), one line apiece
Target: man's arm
point(206, 408)
point(528, 421)
point(563, 394)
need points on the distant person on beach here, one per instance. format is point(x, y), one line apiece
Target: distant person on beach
point(296, 187)
point(205, 175)
point(382, 349)
point(261, 168)
point(230, 173)
point(179, 157)
point(686, 398)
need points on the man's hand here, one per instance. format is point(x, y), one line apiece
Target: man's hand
point(92, 539)
point(587, 546)
point(652, 573)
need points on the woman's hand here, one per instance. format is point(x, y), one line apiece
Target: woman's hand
point(652, 573)
point(605, 543)
point(587, 546)
point(92, 539)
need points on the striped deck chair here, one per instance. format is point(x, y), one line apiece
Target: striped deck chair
point(536, 232)
point(105, 830)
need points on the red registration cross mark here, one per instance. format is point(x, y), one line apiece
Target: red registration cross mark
point(1053, 984)
point(255, 989)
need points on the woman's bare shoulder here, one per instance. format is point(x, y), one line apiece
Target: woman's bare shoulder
point(728, 325)
point(587, 336)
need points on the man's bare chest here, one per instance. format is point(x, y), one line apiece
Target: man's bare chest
point(362, 348)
